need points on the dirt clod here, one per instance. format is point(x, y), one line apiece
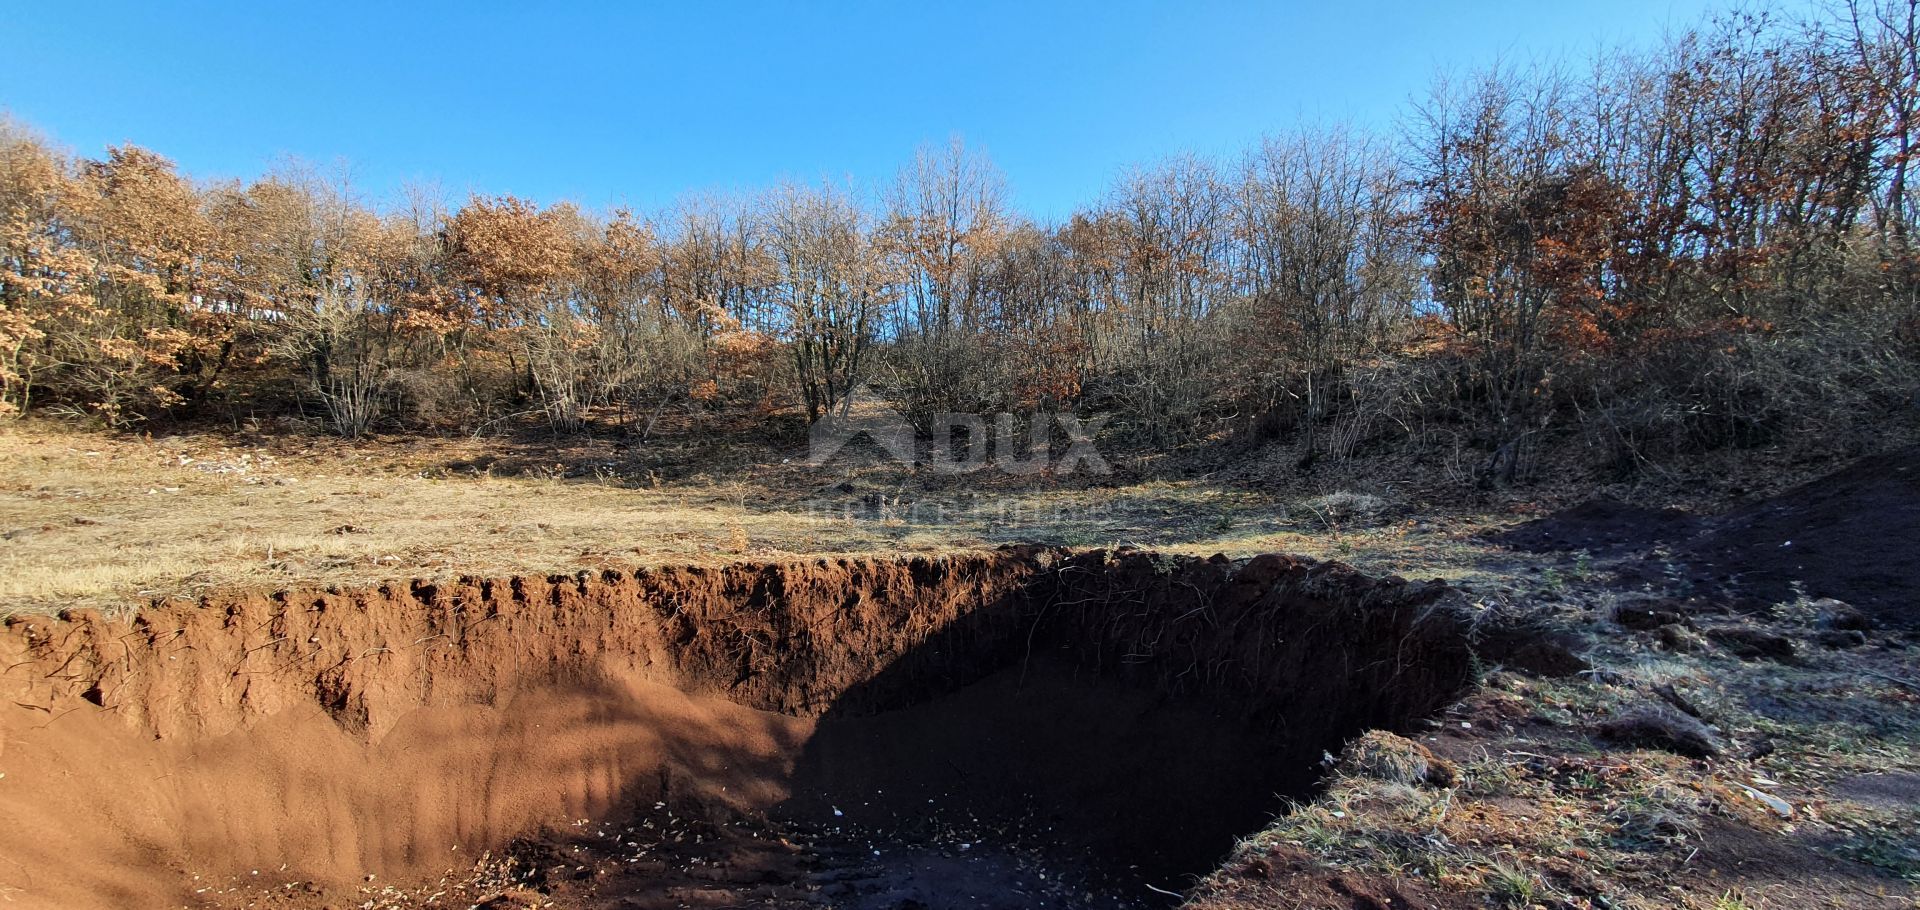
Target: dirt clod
point(1645, 616)
point(1841, 639)
point(1523, 642)
point(1840, 615)
point(1679, 639)
point(1749, 643)
point(1656, 727)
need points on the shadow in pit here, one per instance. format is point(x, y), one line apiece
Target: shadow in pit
point(1117, 727)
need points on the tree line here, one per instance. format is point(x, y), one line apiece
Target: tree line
point(1708, 244)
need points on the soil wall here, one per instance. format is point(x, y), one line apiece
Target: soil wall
point(401, 730)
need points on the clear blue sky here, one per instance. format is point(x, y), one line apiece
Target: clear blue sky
point(633, 104)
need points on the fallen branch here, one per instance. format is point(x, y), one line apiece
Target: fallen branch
point(1894, 679)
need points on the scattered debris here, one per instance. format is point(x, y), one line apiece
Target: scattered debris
point(1773, 803)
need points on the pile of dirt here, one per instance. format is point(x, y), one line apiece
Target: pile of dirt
point(1853, 535)
point(1599, 526)
point(1850, 535)
point(972, 725)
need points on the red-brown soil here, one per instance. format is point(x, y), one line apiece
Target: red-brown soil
point(1085, 725)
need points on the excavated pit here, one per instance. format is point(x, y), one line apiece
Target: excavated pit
point(1029, 727)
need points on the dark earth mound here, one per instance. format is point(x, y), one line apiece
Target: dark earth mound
point(1599, 526)
point(1853, 535)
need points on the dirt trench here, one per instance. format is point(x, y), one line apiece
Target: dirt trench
point(1113, 720)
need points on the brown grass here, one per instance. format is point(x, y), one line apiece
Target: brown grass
point(92, 520)
point(98, 520)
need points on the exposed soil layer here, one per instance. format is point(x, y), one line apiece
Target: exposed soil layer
point(1064, 729)
point(1853, 535)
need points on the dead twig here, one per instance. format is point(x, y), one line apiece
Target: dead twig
point(1899, 680)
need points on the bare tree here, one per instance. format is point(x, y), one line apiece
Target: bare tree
point(1328, 269)
point(832, 286)
point(946, 216)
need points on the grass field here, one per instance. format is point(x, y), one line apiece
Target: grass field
point(89, 519)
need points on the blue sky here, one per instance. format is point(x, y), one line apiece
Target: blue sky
point(636, 103)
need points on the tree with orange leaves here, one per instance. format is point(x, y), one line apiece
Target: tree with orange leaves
point(517, 264)
point(1518, 227)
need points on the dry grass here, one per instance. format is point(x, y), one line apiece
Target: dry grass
point(1548, 812)
point(96, 520)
